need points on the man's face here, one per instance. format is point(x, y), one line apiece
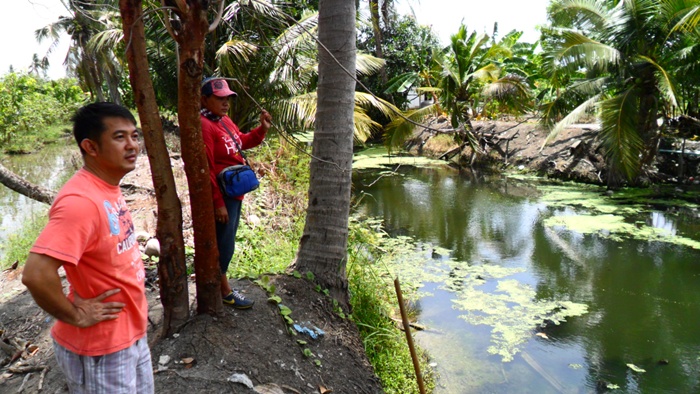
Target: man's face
point(217, 105)
point(118, 147)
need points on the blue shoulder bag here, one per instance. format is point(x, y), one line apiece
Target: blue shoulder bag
point(235, 181)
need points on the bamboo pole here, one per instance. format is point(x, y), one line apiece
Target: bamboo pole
point(409, 338)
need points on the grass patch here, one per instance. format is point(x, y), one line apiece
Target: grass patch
point(374, 303)
point(18, 244)
point(440, 144)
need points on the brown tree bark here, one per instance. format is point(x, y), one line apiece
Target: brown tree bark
point(21, 186)
point(190, 37)
point(323, 246)
point(172, 269)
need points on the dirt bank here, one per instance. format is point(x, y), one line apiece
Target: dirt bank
point(574, 154)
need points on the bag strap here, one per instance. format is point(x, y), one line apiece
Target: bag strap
point(245, 159)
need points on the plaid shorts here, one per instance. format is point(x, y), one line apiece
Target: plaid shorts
point(124, 372)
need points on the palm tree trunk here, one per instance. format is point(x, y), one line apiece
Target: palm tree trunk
point(172, 269)
point(648, 111)
point(206, 258)
point(378, 39)
point(323, 246)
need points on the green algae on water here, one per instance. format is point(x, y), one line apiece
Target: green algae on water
point(512, 310)
point(379, 158)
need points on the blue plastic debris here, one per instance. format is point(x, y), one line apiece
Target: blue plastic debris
point(313, 332)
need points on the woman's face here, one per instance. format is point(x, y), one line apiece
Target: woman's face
point(217, 105)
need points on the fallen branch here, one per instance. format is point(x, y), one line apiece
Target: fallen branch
point(27, 368)
point(41, 378)
point(26, 378)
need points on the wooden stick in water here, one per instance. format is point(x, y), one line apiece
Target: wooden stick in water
point(409, 338)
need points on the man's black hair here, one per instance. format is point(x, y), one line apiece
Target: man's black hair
point(88, 121)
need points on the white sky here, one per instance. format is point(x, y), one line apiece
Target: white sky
point(445, 16)
point(20, 18)
point(18, 21)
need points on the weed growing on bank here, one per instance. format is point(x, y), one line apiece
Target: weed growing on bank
point(375, 306)
point(16, 249)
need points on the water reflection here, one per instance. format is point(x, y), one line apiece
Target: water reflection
point(642, 298)
point(659, 220)
point(48, 168)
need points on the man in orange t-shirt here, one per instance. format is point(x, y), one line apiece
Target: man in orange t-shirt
point(100, 332)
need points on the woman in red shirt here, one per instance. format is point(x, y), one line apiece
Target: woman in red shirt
point(218, 131)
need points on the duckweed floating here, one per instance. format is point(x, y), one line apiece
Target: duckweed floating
point(512, 310)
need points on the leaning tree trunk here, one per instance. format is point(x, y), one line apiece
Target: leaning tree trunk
point(323, 246)
point(21, 186)
point(172, 269)
point(190, 37)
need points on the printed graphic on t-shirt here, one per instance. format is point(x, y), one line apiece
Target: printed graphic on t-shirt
point(231, 148)
point(112, 218)
point(119, 218)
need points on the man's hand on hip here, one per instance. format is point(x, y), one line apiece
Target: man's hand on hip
point(90, 311)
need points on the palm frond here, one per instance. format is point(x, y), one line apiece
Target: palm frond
point(105, 40)
point(511, 92)
point(234, 56)
point(666, 84)
point(489, 72)
point(263, 8)
point(299, 113)
point(366, 101)
point(365, 126)
point(401, 128)
point(367, 64)
point(588, 87)
point(619, 135)
point(590, 12)
point(574, 116)
point(688, 22)
point(580, 50)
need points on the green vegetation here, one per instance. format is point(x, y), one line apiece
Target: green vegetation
point(375, 309)
point(34, 111)
point(628, 62)
point(630, 65)
point(16, 249)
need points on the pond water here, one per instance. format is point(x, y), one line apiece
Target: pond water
point(49, 168)
point(500, 265)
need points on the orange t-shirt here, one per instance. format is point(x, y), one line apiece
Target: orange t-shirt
point(91, 232)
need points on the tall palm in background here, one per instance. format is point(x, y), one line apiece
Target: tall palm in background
point(96, 68)
point(619, 60)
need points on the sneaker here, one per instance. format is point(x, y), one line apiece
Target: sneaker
point(237, 300)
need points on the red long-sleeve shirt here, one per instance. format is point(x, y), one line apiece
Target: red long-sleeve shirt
point(222, 151)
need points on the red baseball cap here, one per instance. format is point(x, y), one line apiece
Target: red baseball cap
point(216, 86)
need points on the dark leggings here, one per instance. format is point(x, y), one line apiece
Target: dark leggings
point(226, 233)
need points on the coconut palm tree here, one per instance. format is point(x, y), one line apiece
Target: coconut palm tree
point(472, 71)
point(618, 60)
point(323, 247)
point(282, 73)
point(96, 68)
